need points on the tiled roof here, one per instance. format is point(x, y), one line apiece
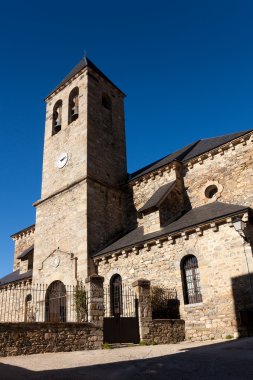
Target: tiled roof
point(85, 62)
point(26, 252)
point(188, 152)
point(200, 215)
point(15, 276)
point(158, 196)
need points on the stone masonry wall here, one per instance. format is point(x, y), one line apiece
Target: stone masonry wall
point(218, 264)
point(166, 331)
point(61, 226)
point(103, 223)
point(231, 171)
point(143, 191)
point(37, 338)
point(106, 164)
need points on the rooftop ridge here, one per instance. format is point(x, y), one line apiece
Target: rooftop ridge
point(85, 62)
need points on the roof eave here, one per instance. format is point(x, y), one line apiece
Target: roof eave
point(176, 232)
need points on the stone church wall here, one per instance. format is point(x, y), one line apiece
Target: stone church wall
point(218, 264)
point(230, 170)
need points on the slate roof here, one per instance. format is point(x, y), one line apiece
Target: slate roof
point(81, 65)
point(15, 276)
point(158, 196)
point(26, 252)
point(188, 152)
point(176, 156)
point(195, 217)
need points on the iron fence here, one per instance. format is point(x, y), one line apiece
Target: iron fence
point(119, 300)
point(42, 303)
point(164, 303)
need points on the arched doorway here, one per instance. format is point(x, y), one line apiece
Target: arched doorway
point(55, 302)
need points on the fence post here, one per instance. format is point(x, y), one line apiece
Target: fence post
point(143, 292)
point(95, 289)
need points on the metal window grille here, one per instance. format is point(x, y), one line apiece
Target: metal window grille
point(191, 279)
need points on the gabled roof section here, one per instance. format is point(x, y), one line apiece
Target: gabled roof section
point(158, 197)
point(15, 276)
point(212, 143)
point(24, 254)
point(188, 152)
point(24, 230)
point(193, 218)
point(85, 62)
point(176, 156)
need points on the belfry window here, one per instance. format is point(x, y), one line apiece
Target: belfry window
point(106, 102)
point(57, 117)
point(73, 105)
point(191, 280)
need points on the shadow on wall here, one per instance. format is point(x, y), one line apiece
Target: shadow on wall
point(242, 288)
point(227, 360)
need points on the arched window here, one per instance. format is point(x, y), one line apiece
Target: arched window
point(116, 295)
point(73, 104)
point(57, 117)
point(106, 102)
point(28, 308)
point(55, 302)
point(191, 280)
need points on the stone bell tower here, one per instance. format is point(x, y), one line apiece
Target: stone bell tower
point(82, 205)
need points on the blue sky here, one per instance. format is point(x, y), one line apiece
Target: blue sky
point(186, 67)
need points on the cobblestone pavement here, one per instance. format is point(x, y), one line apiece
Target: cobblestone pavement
point(186, 360)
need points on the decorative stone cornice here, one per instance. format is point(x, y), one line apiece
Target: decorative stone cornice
point(23, 233)
point(173, 166)
point(221, 150)
point(170, 238)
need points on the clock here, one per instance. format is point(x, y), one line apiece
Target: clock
point(62, 160)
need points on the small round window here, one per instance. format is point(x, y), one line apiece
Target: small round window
point(211, 191)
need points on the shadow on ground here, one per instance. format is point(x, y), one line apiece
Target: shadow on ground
point(229, 360)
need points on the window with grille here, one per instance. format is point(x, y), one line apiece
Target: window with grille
point(191, 280)
point(116, 295)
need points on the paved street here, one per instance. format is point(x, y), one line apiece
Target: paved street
point(210, 360)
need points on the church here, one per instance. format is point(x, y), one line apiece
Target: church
point(183, 222)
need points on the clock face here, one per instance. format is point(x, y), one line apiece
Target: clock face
point(62, 160)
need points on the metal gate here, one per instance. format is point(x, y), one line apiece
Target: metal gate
point(55, 302)
point(121, 314)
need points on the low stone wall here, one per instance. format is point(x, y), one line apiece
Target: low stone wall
point(164, 331)
point(35, 338)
